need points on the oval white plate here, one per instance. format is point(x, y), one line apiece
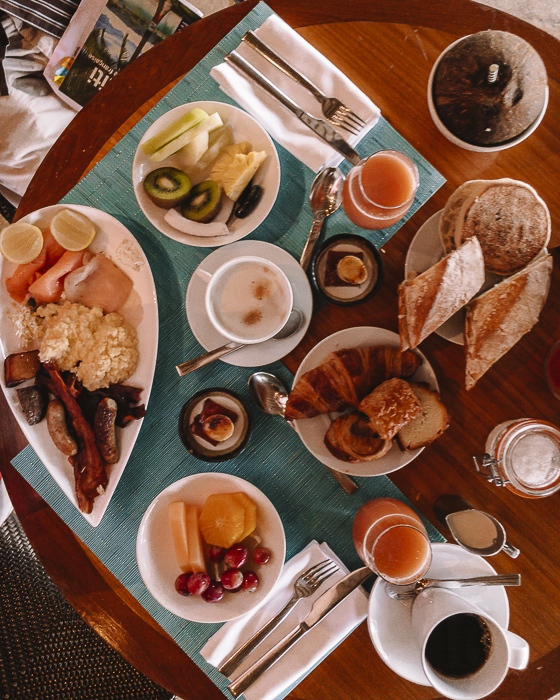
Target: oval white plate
point(140, 310)
point(390, 622)
point(244, 128)
point(259, 353)
point(312, 430)
point(156, 555)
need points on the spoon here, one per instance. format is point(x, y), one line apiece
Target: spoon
point(270, 395)
point(324, 197)
point(405, 592)
point(292, 325)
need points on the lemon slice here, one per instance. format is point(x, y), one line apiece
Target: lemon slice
point(21, 243)
point(72, 230)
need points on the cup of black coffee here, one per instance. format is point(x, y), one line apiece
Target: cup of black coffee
point(465, 652)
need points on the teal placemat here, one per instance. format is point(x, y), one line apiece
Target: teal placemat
point(310, 502)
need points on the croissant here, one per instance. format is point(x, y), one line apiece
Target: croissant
point(351, 438)
point(346, 377)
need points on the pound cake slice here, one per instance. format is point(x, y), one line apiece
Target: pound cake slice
point(429, 425)
point(499, 318)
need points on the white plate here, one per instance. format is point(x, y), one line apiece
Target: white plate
point(244, 128)
point(260, 353)
point(312, 430)
point(390, 621)
point(5, 503)
point(140, 310)
point(426, 250)
point(156, 555)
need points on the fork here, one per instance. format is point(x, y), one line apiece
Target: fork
point(333, 109)
point(424, 583)
point(305, 584)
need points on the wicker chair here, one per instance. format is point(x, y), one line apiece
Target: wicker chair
point(47, 652)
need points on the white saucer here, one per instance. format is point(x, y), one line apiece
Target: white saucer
point(260, 353)
point(5, 503)
point(390, 623)
point(426, 250)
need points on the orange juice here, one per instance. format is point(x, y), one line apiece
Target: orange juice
point(392, 540)
point(380, 190)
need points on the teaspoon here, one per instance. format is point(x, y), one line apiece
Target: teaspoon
point(270, 395)
point(405, 592)
point(325, 197)
point(292, 325)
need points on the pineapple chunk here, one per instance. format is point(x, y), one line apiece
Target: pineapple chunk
point(239, 173)
point(226, 157)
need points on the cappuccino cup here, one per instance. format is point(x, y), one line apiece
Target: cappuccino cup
point(465, 653)
point(248, 299)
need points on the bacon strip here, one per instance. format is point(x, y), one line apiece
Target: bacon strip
point(89, 467)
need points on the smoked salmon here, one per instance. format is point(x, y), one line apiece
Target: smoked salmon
point(99, 283)
point(50, 285)
point(25, 275)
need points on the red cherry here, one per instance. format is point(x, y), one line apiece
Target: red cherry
point(261, 555)
point(182, 584)
point(198, 583)
point(214, 593)
point(232, 579)
point(236, 556)
point(250, 581)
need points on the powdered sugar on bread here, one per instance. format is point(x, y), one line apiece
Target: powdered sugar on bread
point(500, 317)
point(428, 300)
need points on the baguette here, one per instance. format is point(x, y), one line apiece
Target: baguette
point(499, 318)
point(428, 300)
point(427, 426)
point(390, 406)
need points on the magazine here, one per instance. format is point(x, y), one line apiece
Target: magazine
point(123, 30)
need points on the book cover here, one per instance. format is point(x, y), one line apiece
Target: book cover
point(124, 30)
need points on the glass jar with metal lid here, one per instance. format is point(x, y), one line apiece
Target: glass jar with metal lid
point(524, 456)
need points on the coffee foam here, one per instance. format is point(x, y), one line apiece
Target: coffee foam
point(250, 300)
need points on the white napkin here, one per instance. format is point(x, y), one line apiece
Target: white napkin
point(282, 125)
point(308, 651)
point(5, 503)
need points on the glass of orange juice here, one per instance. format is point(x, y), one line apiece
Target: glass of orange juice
point(391, 539)
point(380, 190)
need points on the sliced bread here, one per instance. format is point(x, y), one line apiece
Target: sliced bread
point(429, 425)
point(499, 318)
point(429, 299)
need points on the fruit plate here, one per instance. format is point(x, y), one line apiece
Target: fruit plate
point(244, 128)
point(156, 555)
point(140, 310)
point(312, 430)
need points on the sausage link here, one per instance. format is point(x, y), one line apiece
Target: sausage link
point(58, 428)
point(105, 430)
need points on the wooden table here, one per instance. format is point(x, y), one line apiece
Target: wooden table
point(387, 47)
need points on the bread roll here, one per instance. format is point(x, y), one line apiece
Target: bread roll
point(497, 319)
point(510, 220)
point(431, 298)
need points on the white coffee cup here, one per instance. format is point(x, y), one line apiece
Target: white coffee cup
point(482, 669)
point(248, 299)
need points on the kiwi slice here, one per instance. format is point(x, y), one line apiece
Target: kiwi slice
point(203, 202)
point(167, 187)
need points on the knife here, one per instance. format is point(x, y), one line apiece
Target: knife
point(320, 127)
point(321, 607)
